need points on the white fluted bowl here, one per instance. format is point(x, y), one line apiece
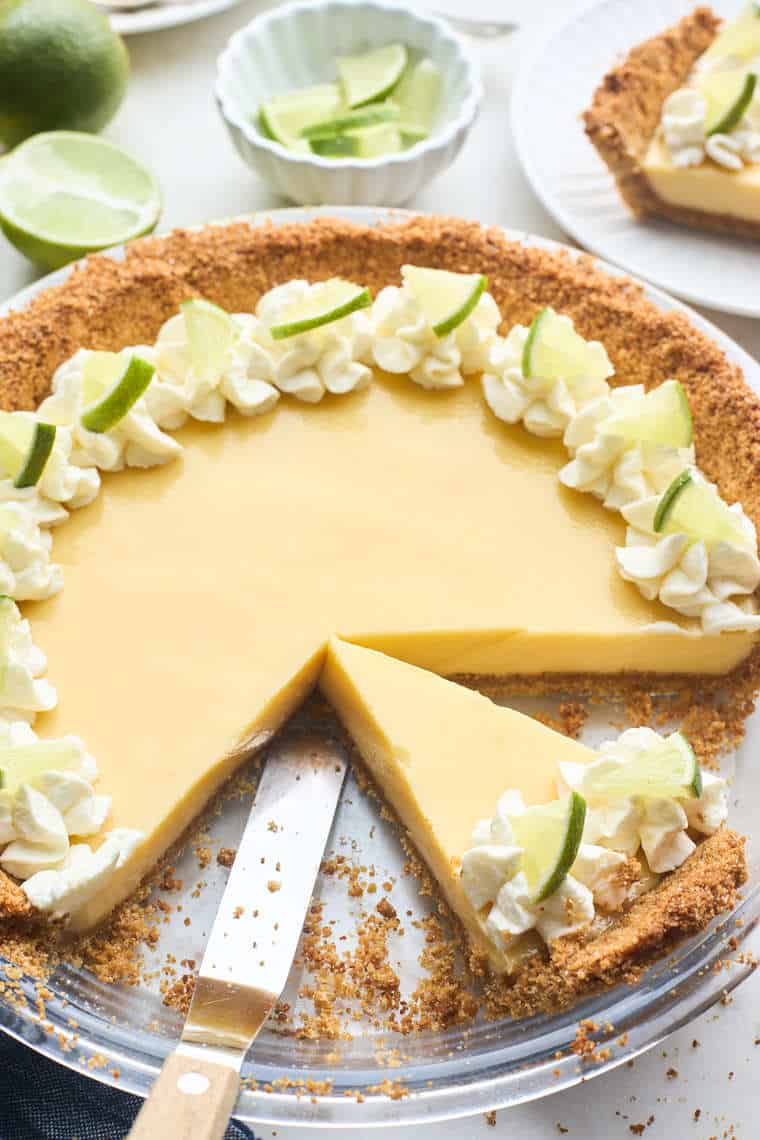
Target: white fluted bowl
point(295, 46)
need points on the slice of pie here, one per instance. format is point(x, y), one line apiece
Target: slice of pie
point(272, 489)
point(678, 124)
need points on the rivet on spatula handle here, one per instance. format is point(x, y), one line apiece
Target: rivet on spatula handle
point(191, 1100)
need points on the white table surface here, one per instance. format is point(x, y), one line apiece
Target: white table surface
point(170, 121)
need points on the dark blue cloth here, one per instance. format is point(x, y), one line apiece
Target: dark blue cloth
point(40, 1100)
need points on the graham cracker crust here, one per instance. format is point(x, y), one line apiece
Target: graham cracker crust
point(625, 112)
point(107, 303)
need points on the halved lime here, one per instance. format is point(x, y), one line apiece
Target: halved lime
point(368, 142)
point(550, 835)
point(418, 96)
point(369, 116)
point(326, 302)
point(691, 506)
point(211, 332)
point(25, 447)
point(727, 94)
point(25, 764)
point(666, 770)
point(740, 37)
point(553, 350)
point(116, 399)
point(663, 417)
point(64, 194)
point(372, 75)
point(446, 299)
point(284, 117)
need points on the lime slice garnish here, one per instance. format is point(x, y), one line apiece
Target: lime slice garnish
point(418, 96)
point(25, 447)
point(664, 417)
point(446, 299)
point(553, 350)
point(666, 770)
point(371, 76)
point(740, 37)
point(116, 399)
point(326, 302)
point(369, 142)
point(693, 507)
point(210, 334)
point(25, 764)
point(550, 836)
point(727, 94)
point(64, 194)
point(353, 120)
point(284, 117)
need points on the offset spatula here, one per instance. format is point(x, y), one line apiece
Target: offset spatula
point(252, 944)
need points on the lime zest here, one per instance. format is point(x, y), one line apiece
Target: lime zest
point(117, 402)
point(39, 453)
point(329, 301)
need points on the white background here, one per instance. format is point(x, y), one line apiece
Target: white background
point(170, 121)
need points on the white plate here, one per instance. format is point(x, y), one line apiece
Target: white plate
point(563, 65)
point(166, 16)
point(450, 1073)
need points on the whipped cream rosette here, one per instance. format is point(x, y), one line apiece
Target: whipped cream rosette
point(708, 576)
point(134, 441)
point(330, 357)
point(26, 571)
point(405, 341)
point(62, 484)
point(23, 688)
point(205, 358)
point(545, 390)
point(610, 462)
point(642, 762)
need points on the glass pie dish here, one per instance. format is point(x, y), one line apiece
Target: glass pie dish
point(106, 1030)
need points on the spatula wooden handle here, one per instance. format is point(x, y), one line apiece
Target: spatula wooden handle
point(191, 1100)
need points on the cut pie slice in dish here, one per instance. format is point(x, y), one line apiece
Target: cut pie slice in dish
point(201, 595)
point(678, 124)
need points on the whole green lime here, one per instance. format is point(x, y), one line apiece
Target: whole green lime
point(61, 67)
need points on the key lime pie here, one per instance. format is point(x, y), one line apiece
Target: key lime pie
point(678, 124)
point(248, 461)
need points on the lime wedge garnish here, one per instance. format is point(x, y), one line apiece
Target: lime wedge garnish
point(727, 94)
point(550, 836)
point(740, 37)
point(418, 96)
point(693, 507)
point(25, 447)
point(553, 350)
point(666, 770)
point(326, 302)
point(26, 763)
point(446, 299)
point(368, 142)
point(284, 117)
point(64, 194)
point(353, 120)
point(663, 417)
point(114, 401)
point(210, 334)
point(371, 76)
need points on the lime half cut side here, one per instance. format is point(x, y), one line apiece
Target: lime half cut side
point(65, 194)
point(210, 334)
point(25, 765)
point(372, 75)
point(669, 770)
point(550, 835)
point(120, 396)
point(326, 302)
point(553, 350)
point(664, 418)
point(693, 507)
point(25, 447)
point(446, 299)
